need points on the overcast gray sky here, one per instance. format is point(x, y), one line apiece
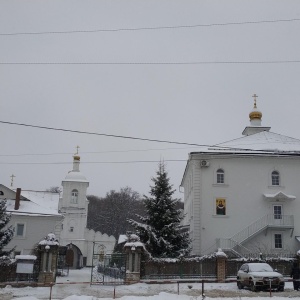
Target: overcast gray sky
point(195, 103)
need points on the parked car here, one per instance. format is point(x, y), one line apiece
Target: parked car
point(259, 276)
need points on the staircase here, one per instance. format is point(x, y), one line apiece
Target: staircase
point(234, 243)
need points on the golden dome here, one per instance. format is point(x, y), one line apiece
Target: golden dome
point(76, 157)
point(255, 113)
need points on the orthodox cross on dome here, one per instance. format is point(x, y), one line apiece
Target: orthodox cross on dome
point(12, 180)
point(77, 147)
point(255, 96)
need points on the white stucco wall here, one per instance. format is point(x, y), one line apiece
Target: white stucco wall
point(36, 228)
point(246, 180)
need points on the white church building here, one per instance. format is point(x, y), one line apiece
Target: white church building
point(244, 195)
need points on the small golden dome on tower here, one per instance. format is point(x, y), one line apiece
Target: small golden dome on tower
point(255, 113)
point(76, 155)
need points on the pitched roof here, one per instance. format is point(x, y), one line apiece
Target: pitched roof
point(262, 142)
point(35, 203)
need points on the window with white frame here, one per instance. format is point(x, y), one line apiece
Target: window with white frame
point(277, 211)
point(275, 178)
point(20, 229)
point(220, 176)
point(278, 241)
point(74, 196)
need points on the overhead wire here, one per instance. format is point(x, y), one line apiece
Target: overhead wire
point(101, 134)
point(96, 152)
point(93, 162)
point(219, 146)
point(158, 63)
point(150, 27)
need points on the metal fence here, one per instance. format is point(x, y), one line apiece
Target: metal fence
point(185, 269)
point(282, 266)
point(109, 270)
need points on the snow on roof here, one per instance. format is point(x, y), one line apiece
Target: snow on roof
point(50, 239)
point(45, 199)
point(29, 257)
point(265, 141)
point(38, 203)
point(122, 238)
point(279, 195)
point(75, 176)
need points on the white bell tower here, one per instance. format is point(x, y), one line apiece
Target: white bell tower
point(74, 206)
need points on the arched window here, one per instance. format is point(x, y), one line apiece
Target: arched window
point(275, 178)
point(220, 176)
point(74, 196)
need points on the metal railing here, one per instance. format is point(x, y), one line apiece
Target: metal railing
point(234, 243)
point(279, 221)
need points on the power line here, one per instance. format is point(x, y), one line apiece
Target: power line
point(101, 134)
point(93, 162)
point(149, 28)
point(96, 152)
point(158, 63)
point(213, 147)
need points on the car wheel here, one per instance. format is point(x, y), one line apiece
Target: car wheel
point(239, 285)
point(252, 286)
point(281, 289)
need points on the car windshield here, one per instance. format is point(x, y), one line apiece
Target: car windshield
point(260, 268)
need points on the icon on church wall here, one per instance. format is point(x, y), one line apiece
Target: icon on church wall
point(220, 207)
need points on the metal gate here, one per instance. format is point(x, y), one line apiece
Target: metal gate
point(107, 269)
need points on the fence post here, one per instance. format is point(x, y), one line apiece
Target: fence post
point(133, 249)
point(51, 285)
point(48, 252)
point(221, 265)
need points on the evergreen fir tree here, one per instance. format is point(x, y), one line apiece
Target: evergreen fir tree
point(160, 230)
point(6, 233)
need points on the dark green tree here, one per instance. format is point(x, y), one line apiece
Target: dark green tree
point(6, 233)
point(160, 229)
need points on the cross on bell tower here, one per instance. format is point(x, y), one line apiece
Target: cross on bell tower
point(77, 150)
point(12, 180)
point(255, 96)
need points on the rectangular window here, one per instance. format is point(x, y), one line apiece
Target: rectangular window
point(20, 229)
point(220, 177)
point(71, 229)
point(277, 210)
point(278, 240)
point(220, 206)
point(275, 180)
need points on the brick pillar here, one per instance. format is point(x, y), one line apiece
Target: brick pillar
point(48, 264)
point(221, 268)
point(133, 249)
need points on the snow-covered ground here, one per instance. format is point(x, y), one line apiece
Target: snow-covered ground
point(68, 290)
